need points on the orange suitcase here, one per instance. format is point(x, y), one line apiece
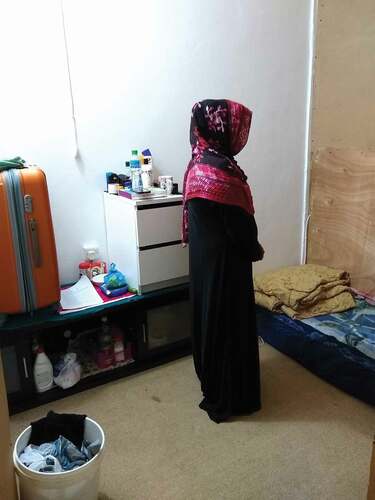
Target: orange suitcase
point(28, 262)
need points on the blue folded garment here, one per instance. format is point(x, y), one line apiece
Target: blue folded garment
point(68, 456)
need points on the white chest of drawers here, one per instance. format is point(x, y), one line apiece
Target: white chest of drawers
point(144, 240)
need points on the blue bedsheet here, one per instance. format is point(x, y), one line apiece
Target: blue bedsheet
point(339, 364)
point(355, 327)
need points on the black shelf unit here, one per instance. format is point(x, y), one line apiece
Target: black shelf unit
point(163, 313)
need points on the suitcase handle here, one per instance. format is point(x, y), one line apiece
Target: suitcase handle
point(37, 258)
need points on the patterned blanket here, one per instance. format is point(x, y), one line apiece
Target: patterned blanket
point(355, 327)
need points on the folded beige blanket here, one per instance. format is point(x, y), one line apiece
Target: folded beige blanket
point(304, 291)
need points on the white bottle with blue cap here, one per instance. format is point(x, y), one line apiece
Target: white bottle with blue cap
point(136, 173)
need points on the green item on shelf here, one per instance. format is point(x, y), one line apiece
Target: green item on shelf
point(16, 162)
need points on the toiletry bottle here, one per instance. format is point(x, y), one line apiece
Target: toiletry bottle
point(84, 268)
point(104, 357)
point(128, 352)
point(118, 345)
point(92, 266)
point(146, 174)
point(135, 167)
point(127, 170)
point(43, 371)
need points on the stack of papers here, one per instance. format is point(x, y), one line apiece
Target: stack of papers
point(84, 295)
point(80, 296)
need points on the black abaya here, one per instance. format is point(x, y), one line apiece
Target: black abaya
point(222, 241)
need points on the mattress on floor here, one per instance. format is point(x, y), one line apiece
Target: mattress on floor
point(355, 327)
point(340, 364)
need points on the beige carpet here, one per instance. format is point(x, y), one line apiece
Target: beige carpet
point(309, 442)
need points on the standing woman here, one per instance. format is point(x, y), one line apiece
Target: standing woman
point(222, 233)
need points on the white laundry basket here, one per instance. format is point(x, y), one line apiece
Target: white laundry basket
point(78, 484)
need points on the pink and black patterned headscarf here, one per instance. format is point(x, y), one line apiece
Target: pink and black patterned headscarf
point(219, 130)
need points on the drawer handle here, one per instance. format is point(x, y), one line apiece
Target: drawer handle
point(25, 367)
point(144, 333)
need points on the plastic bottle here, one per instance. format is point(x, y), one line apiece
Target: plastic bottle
point(128, 352)
point(92, 266)
point(146, 174)
point(118, 346)
point(135, 168)
point(84, 268)
point(43, 371)
point(127, 169)
point(104, 358)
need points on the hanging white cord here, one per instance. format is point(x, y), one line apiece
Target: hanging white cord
point(76, 155)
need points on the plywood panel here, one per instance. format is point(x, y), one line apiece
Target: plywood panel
point(342, 206)
point(344, 84)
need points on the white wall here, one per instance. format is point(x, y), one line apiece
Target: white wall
point(137, 68)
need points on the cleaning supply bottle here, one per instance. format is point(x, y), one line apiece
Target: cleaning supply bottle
point(136, 174)
point(43, 371)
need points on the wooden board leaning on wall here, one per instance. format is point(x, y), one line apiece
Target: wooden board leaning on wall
point(341, 231)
